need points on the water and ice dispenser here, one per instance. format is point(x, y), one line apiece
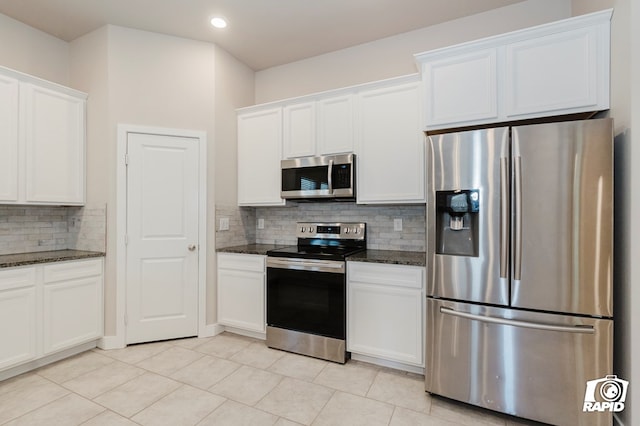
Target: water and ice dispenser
point(457, 222)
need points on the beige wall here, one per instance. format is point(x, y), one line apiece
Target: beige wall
point(33, 52)
point(234, 84)
point(393, 56)
point(140, 78)
point(234, 89)
point(89, 73)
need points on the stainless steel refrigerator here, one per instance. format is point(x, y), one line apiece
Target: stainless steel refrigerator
point(519, 262)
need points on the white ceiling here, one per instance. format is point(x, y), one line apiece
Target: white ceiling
point(261, 33)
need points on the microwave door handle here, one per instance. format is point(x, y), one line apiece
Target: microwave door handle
point(330, 172)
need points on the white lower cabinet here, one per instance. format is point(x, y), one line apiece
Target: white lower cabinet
point(385, 312)
point(49, 308)
point(18, 317)
point(241, 291)
point(72, 309)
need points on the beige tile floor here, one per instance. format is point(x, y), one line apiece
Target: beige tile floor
point(224, 380)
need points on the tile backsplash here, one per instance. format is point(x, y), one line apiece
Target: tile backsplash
point(41, 228)
point(279, 223)
point(242, 226)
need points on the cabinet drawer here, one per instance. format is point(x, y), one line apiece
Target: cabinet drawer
point(241, 262)
point(17, 278)
point(383, 274)
point(70, 270)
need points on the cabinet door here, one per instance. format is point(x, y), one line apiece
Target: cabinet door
point(54, 135)
point(299, 124)
point(241, 299)
point(390, 148)
point(335, 125)
point(18, 329)
point(385, 322)
point(461, 89)
point(8, 139)
point(385, 312)
point(556, 74)
point(259, 155)
point(72, 313)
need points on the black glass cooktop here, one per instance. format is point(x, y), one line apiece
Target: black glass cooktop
point(315, 252)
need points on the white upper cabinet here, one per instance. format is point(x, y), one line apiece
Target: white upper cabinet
point(319, 127)
point(54, 137)
point(42, 138)
point(335, 130)
point(553, 69)
point(381, 122)
point(299, 128)
point(390, 145)
point(563, 72)
point(8, 139)
point(259, 155)
point(462, 88)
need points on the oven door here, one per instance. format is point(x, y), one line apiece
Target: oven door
point(307, 296)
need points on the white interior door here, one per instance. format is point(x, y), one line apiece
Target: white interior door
point(162, 237)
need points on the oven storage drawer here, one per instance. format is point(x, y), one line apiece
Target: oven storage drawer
point(488, 357)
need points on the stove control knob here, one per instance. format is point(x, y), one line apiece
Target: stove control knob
point(356, 231)
point(346, 231)
point(302, 229)
point(311, 229)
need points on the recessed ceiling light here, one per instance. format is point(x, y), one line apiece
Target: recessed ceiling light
point(219, 22)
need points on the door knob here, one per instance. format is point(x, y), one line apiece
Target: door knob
point(192, 247)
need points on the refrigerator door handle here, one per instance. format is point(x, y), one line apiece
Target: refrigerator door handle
point(504, 217)
point(517, 257)
point(525, 324)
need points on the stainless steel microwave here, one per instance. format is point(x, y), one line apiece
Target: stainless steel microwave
point(325, 177)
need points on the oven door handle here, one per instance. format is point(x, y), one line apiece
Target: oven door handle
point(333, 266)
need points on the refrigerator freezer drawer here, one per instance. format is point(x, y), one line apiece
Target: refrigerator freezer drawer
point(528, 364)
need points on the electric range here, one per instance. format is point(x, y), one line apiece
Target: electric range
point(306, 290)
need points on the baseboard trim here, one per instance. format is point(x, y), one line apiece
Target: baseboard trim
point(210, 330)
point(111, 342)
point(41, 362)
point(254, 334)
point(386, 363)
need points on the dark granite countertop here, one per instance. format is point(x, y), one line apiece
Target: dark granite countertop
point(21, 259)
point(250, 248)
point(396, 257)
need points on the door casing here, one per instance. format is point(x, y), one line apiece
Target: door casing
point(119, 339)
